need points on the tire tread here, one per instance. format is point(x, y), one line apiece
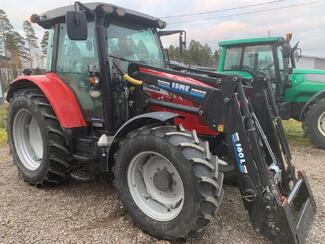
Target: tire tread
point(59, 166)
point(209, 197)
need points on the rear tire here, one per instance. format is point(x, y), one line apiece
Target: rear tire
point(36, 139)
point(198, 174)
point(314, 123)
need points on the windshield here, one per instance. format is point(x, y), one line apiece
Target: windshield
point(135, 43)
point(253, 59)
point(233, 58)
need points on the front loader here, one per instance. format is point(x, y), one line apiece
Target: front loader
point(109, 106)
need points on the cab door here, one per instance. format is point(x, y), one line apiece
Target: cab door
point(73, 60)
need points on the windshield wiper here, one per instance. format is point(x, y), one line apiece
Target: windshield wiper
point(128, 60)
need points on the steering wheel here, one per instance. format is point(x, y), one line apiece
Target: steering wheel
point(262, 74)
point(267, 66)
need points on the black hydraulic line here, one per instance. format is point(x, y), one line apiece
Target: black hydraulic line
point(279, 125)
point(180, 107)
point(211, 78)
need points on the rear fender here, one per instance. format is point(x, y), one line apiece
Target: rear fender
point(314, 98)
point(59, 94)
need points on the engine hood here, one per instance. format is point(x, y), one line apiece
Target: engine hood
point(308, 71)
point(308, 75)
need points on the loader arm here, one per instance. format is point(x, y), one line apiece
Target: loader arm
point(278, 211)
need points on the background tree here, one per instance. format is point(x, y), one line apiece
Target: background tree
point(31, 40)
point(196, 54)
point(5, 27)
point(19, 53)
point(215, 58)
point(44, 42)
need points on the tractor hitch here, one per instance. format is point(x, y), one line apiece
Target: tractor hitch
point(296, 213)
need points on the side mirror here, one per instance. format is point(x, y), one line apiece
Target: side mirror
point(166, 54)
point(298, 54)
point(76, 25)
point(182, 41)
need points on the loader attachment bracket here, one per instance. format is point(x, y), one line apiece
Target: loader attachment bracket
point(223, 96)
point(295, 215)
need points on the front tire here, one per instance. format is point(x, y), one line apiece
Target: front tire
point(168, 181)
point(314, 123)
point(36, 139)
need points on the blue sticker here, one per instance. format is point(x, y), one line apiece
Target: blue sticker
point(181, 88)
point(240, 156)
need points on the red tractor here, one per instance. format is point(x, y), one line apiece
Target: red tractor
point(108, 105)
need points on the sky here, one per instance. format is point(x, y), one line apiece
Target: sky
point(306, 22)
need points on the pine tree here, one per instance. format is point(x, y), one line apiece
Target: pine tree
point(5, 27)
point(44, 42)
point(215, 58)
point(196, 54)
point(19, 53)
point(31, 40)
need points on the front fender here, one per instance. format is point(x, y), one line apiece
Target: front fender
point(59, 94)
point(138, 122)
point(315, 97)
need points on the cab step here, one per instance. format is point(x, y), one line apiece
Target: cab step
point(86, 149)
point(83, 157)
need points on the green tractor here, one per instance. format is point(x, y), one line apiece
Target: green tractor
point(299, 93)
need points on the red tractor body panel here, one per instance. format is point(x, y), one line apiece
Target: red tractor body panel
point(68, 111)
point(60, 96)
point(191, 121)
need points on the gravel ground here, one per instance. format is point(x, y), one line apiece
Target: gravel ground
point(91, 213)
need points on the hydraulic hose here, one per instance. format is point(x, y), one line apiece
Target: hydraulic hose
point(133, 81)
point(125, 76)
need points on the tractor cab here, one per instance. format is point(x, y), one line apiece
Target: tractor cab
point(128, 35)
point(270, 57)
point(74, 53)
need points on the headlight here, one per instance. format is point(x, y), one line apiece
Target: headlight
point(162, 24)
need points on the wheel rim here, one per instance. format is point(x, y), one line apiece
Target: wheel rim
point(155, 186)
point(28, 140)
point(321, 123)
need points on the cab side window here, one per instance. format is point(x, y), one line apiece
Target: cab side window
point(232, 59)
point(75, 56)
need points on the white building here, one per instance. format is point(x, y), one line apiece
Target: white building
point(311, 62)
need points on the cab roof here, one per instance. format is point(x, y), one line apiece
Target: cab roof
point(259, 40)
point(57, 15)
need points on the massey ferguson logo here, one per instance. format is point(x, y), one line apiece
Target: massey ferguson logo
point(241, 161)
point(181, 87)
